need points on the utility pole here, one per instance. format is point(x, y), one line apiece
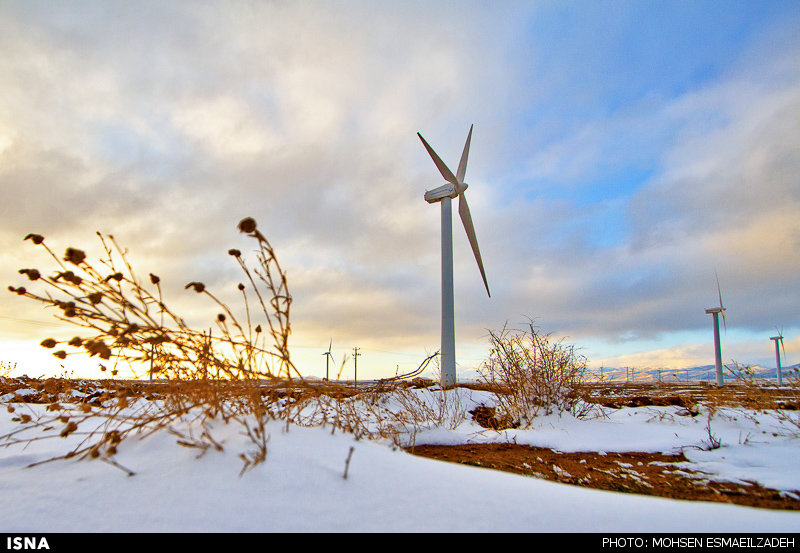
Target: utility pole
point(355, 366)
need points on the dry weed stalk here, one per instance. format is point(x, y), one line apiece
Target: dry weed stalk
point(534, 373)
point(132, 323)
point(210, 377)
point(6, 368)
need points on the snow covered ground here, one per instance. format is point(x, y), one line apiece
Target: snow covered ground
point(301, 485)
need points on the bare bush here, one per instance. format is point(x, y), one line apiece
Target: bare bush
point(534, 373)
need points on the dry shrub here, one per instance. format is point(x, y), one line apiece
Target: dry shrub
point(792, 378)
point(535, 373)
point(226, 376)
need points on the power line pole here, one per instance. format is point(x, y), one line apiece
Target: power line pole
point(355, 366)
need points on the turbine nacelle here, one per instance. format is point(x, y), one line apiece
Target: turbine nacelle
point(779, 338)
point(447, 190)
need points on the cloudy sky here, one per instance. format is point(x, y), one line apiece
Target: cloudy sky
point(623, 151)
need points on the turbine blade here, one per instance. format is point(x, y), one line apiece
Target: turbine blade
point(443, 169)
point(462, 165)
point(466, 219)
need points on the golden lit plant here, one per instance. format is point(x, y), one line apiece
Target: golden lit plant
point(125, 319)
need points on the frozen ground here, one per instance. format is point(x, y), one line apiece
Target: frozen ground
point(301, 485)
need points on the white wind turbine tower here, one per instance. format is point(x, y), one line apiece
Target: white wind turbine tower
point(453, 188)
point(328, 356)
point(715, 311)
point(776, 339)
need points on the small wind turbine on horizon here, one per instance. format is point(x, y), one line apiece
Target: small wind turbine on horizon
point(328, 356)
point(715, 311)
point(453, 188)
point(776, 339)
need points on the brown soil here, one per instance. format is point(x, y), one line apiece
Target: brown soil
point(629, 472)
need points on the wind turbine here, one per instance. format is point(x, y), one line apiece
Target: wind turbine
point(776, 339)
point(327, 355)
point(453, 188)
point(715, 311)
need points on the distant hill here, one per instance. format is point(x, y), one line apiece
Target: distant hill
point(704, 373)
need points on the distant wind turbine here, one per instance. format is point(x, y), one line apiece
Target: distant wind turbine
point(715, 311)
point(327, 355)
point(453, 188)
point(776, 339)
